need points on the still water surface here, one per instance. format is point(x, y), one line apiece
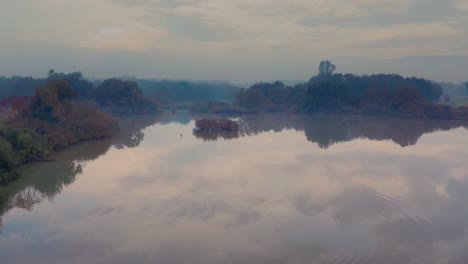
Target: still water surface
point(287, 189)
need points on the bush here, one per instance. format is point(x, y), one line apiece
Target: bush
point(91, 124)
point(27, 144)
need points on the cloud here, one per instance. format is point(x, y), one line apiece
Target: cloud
point(125, 38)
point(336, 24)
point(237, 39)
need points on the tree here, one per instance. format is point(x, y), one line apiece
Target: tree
point(406, 95)
point(115, 91)
point(48, 104)
point(76, 80)
point(122, 98)
point(326, 68)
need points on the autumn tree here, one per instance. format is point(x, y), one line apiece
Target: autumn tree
point(49, 101)
point(76, 80)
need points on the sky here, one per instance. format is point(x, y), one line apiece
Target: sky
point(235, 40)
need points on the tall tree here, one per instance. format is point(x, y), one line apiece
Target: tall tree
point(326, 68)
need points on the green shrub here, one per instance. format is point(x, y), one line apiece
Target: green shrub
point(27, 144)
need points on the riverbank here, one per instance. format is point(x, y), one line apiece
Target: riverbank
point(56, 118)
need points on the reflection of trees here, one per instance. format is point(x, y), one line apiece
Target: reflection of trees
point(182, 117)
point(213, 136)
point(326, 130)
point(25, 199)
point(131, 132)
point(47, 179)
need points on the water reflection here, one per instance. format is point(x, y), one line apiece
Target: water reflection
point(44, 182)
point(267, 197)
point(218, 135)
point(327, 130)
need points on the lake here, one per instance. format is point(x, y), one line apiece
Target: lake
point(285, 189)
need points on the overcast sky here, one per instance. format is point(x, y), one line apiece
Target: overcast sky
point(237, 40)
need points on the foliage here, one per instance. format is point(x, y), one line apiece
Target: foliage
point(56, 113)
point(122, 98)
point(18, 86)
point(383, 94)
point(27, 144)
point(12, 107)
point(76, 80)
point(270, 97)
point(50, 101)
point(173, 91)
point(53, 120)
point(166, 91)
point(26, 86)
point(326, 68)
point(59, 115)
point(212, 125)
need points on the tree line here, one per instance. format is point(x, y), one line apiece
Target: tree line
point(330, 92)
point(165, 91)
